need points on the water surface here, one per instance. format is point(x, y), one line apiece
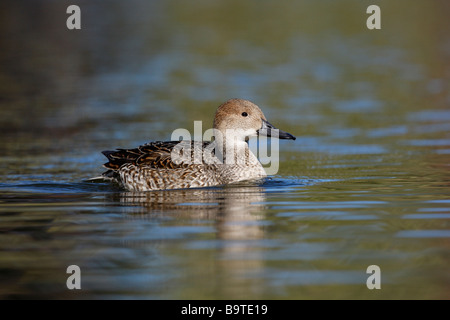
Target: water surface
point(365, 183)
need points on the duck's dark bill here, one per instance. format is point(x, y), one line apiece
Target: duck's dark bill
point(269, 130)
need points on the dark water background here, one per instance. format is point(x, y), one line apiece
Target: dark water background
point(366, 182)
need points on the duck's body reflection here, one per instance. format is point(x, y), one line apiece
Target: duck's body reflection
point(236, 213)
point(232, 207)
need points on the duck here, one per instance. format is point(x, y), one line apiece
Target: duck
point(227, 159)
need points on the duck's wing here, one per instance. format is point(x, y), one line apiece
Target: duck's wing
point(155, 155)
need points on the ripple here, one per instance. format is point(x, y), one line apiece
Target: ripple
point(56, 187)
point(423, 234)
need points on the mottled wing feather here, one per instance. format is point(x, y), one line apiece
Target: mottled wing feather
point(154, 154)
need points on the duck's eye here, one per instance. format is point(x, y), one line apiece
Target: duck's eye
point(244, 114)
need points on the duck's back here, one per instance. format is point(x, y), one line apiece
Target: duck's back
point(154, 154)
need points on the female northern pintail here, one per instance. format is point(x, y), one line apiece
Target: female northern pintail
point(192, 164)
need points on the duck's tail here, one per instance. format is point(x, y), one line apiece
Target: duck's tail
point(106, 176)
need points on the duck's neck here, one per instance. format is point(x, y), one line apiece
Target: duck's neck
point(231, 150)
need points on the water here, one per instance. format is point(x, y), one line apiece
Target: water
point(366, 182)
